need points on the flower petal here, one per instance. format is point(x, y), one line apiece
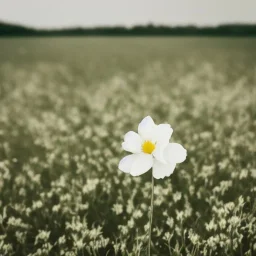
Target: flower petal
point(175, 153)
point(126, 163)
point(132, 142)
point(142, 164)
point(161, 170)
point(146, 128)
point(158, 153)
point(163, 133)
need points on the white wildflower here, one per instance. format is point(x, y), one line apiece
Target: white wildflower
point(150, 147)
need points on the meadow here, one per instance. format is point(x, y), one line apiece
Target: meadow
point(65, 104)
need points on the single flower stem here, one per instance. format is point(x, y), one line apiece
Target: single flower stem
point(151, 214)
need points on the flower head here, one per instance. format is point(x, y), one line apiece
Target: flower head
point(150, 147)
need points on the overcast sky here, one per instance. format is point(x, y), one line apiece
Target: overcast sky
point(67, 13)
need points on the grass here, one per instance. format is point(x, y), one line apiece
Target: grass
point(65, 105)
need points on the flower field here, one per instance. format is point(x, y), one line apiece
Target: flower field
point(65, 104)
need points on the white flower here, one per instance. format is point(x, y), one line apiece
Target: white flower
point(150, 147)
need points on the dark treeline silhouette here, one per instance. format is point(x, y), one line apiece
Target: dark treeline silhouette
point(9, 30)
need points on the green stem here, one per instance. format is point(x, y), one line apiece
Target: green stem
point(151, 214)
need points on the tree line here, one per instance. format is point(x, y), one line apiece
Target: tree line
point(148, 30)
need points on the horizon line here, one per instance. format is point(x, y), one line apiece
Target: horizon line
point(240, 23)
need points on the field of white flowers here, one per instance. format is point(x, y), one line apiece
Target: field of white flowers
point(65, 105)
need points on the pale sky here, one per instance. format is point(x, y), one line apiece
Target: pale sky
point(87, 13)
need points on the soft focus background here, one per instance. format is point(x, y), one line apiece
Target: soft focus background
point(65, 104)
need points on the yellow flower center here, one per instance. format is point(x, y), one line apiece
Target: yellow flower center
point(148, 147)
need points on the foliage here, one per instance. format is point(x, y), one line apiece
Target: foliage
point(139, 30)
point(65, 105)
